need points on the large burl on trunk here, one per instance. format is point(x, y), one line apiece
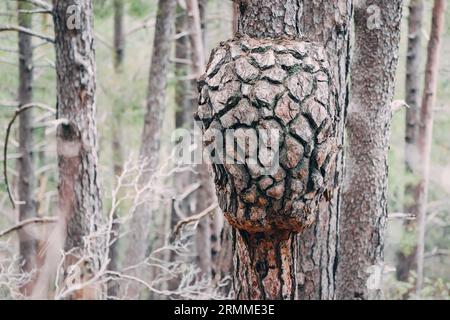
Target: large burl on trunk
point(267, 108)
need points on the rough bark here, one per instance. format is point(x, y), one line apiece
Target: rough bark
point(364, 206)
point(138, 239)
point(425, 136)
point(26, 179)
point(406, 258)
point(79, 195)
point(269, 78)
point(116, 132)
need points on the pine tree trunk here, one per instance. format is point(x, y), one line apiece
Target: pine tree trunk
point(406, 259)
point(425, 136)
point(79, 195)
point(204, 196)
point(364, 206)
point(268, 77)
point(138, 239)
point(119, 48)
point(327, 22)
point(26, 179)
point(116, 132)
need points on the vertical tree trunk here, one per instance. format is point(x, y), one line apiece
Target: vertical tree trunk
point(364, 207)
point(223, 260)
point(119, 48)
point(117, 150)
point(26, 183)
point(424, 139)
point(406, 259)
point(183, 114)
point(204, 195)
point(183, 117)
point(327, 22)
point(138, 240)
point(79, 195)
point(253, 81)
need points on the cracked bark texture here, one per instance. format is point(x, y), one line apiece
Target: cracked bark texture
point(364, 206)
point(139, 241)
point(407, 254)
point(269, 77)
point(26, 180)
point(79, 195)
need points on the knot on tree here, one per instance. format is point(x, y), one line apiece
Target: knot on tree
point(267, 110)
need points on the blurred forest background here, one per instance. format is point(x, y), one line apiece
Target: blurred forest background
point(121, 96)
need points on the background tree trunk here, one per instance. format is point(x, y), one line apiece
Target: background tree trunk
point(327, 22)
point(79, 195)
point(26, 179)
point(116, 132)
point(425, 135)
point(364, 206)
point(138, 239)
point(406, 259)
point(119, 52)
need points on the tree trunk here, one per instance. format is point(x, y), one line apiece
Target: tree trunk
point(327, 22)
point(424, 139)
point(223, 260)
point(364, 206)
point(204, 196)
point(183, 114)
point(119, 48)
point(406, 258)
point(79, 195)
point(138, 239)
point(116, 132)
point(268, 79)
point(26, 179)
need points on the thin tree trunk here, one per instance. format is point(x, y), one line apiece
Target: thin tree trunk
point(183, 116)
point(267, 214)
point(79, 195)
point(364, 205)
point(138, 239)
point(327, 22)
point(204, 196)
point(406, 258)
point(26, 179)
point(117, 150)
point(424, 139)
point(223, 262)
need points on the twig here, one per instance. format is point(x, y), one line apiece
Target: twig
point(194, 218)
point(26, 222)
point(27, 31)
point(5, 147)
